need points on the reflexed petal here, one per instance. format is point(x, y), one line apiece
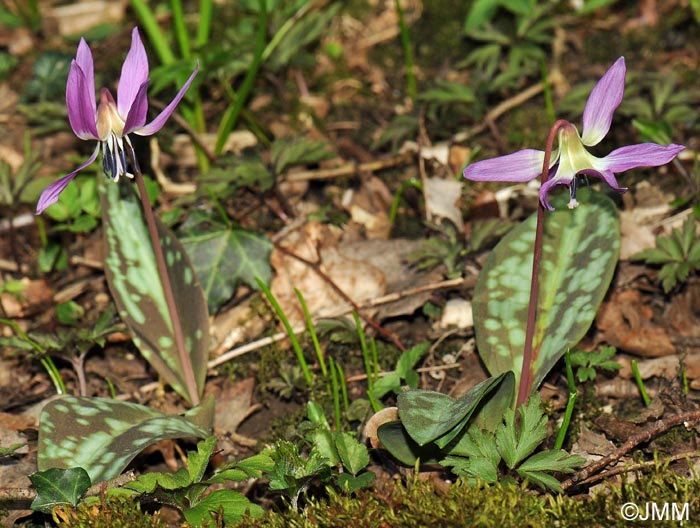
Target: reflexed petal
point(84, 59)
point(604, 99)
point(134, 74)
point(155, 125)
point(50, 194)
point(136, 117)
point(547, 188)
point(80, 101)
point(607, 176)
point(521, 166)
point(642, 155)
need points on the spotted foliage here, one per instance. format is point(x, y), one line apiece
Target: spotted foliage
point(133, 278)
point(102, 436)
point(580, 251)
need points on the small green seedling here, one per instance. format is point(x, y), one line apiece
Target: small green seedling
point(588, 362)
point(678, 253)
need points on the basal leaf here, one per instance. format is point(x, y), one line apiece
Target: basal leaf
point(223, 257)
point(55, 487)
point(136, 286)
point(490, 415)
point(103, 436)
point(430, 416)
point(403, 448)
point(230, 504)
point(580, 251)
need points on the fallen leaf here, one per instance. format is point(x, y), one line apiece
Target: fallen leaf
point(442, 200)
point(626, 323)
point(233, 405)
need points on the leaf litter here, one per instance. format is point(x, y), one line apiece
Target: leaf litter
point(361, 255)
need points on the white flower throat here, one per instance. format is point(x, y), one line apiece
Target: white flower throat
point(110, 131)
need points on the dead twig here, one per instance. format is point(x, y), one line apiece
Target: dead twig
point(351, 169)
point(316, 266)
point(659, 427)
point(386, 299)
point(642, 465)
point(498, 111)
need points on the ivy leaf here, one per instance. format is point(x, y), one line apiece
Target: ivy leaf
point(224, 256)
point(55, 487)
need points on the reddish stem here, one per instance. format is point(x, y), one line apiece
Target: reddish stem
point(183, 356)
point(526, 373)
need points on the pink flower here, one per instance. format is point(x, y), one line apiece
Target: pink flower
point(110, 122)
point(571, 157)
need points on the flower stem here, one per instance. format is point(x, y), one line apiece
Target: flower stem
point(183, 356)
point(526, 373)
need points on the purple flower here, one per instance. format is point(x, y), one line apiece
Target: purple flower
point(110, 122)
point(571, 157)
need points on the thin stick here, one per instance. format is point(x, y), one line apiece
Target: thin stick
point(183, 356)
point(351, 169)
point(392, 297)
point(498, 111)
point(659, 427)
point(642, 465)
point(369, 320)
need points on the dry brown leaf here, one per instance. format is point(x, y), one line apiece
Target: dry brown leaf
point(36, 295)
point(386, 415)
point(369, 206)
point(635, 235)
point(233, 405)
point(318, 243)
point(626, 322)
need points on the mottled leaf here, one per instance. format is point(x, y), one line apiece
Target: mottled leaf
point(103, 436)
point(225, 256)
point(430, 416)
point(580, 251)
point(136, 286)
point(55, 487)
point(403, 448)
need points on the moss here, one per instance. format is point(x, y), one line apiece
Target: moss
point(107, 512)
point(421, 503)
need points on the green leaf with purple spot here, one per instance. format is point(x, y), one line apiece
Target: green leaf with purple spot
point(102, 436)
point(133, 278)
point(580, 252)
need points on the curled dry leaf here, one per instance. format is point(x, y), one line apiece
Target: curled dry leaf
point(457, 312)
point(442, 200)
point(388, 414)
